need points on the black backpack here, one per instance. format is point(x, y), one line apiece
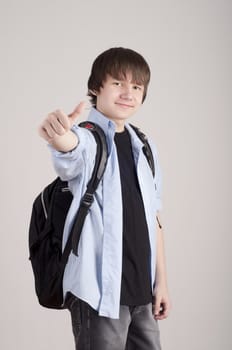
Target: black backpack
point(48, 216)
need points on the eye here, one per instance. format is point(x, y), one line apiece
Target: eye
point(137, 87)
point(117, 83)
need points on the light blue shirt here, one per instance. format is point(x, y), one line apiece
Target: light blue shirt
point(95, 274)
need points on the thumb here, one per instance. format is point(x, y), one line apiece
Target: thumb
point(77, 112)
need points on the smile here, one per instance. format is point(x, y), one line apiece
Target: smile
point(123, 105)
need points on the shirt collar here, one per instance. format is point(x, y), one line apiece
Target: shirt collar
point(135, 140)
point(105, 123)
point(109, 128)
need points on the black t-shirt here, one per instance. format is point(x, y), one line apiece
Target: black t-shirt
point(136, 286)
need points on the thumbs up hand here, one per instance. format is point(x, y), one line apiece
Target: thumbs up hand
point(55, 128)
point(58, 123)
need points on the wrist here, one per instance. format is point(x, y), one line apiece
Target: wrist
point(64, 143)
point(161, 282)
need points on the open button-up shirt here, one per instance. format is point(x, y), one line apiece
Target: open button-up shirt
point(95, 274)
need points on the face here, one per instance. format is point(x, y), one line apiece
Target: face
point(119, 99)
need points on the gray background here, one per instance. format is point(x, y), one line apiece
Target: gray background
point(47, 48)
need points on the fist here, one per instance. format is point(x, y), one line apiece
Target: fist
point(58, 123)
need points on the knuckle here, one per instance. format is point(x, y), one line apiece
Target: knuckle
point(50, 117)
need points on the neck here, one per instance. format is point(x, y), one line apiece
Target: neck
point(120, 126)
point(119, 123)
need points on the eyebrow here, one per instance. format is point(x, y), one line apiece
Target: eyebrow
point(123, 79)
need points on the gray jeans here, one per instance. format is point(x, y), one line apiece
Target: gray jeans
point(136, 329)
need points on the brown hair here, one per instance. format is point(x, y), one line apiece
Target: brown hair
point(117, 62)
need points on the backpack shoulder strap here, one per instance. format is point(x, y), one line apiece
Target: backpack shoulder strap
point(102, 152)
point(146, 148)
point(87, 199)
point(148, 153)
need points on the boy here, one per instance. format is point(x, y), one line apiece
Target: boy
point(115, 287)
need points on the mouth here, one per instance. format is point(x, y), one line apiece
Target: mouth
point(123, 105)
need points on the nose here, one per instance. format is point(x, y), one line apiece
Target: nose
point(126, 93)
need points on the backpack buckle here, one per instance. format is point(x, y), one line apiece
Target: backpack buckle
point(87, 199)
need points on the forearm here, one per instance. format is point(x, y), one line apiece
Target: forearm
point(161, 301)
point(64, 143)
point(161, 272)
